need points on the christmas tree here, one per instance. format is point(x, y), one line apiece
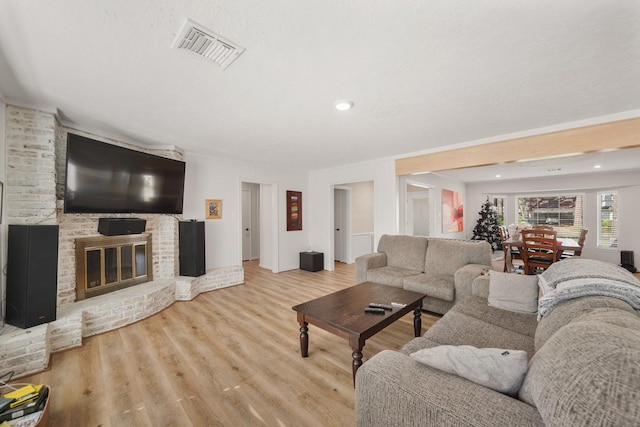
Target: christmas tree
point(487, 226)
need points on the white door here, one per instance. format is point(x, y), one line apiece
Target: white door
point(339, 222)
point(246, 224)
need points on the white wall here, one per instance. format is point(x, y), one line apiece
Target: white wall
point(3, 226)
point(628, 187)
point(362, 213)
point(214, 178)
point(320, 207)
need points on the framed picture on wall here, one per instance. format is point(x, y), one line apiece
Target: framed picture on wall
point(452, 212)
point(294, 210)
point(213, 208)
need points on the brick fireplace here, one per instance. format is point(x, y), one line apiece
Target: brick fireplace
point(34, 190)
point(36, 150)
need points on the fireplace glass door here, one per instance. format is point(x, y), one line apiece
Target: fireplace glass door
point(108, 263)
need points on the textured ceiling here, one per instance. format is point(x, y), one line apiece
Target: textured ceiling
point(422, 75)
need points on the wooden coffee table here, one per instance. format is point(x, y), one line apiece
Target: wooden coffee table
point(342, 313)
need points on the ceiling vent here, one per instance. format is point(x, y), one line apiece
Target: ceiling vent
point(209, 45)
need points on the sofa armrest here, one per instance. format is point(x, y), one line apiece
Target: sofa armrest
point(480, 286)
point(368, 262)
point(464, 277)
point(394, 390)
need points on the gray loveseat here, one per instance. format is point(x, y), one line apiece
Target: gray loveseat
point(444, 269)
point(583, 369)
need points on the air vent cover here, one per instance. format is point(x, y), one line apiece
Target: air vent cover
point(207, 44)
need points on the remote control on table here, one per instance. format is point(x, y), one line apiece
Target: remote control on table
point(383, 306)
point(374, 310)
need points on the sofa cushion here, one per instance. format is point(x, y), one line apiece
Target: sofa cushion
point(498, 369)
point(574, 310)
point(392, 276)
point(587, 374)
point(513, 292)
point(456, 328)
point(394, 390)
point(477, 307)
point(446, 256)
point(404, 251)
point(434, 285)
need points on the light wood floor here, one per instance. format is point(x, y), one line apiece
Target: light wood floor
point(230, 357)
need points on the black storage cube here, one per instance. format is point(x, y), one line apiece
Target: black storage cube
point(311, 261)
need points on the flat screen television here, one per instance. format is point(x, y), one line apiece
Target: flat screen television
point(106, 178)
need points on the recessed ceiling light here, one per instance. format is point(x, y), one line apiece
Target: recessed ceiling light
point(498, 176)
point(343, 104)
point(597, 167)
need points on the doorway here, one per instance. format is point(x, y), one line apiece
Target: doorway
point(341, 223)
point(417, 211)
point(257, 206)
point(353, 220)
point(250, 221)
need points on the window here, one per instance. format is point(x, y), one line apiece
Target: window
point(563, 212)
point(499, 203)
point(608, 219)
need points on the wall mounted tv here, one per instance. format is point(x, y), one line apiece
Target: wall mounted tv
point(106, 178)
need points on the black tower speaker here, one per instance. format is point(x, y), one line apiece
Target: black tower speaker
point(626, 260)
point(32, 275)
point(192, 257)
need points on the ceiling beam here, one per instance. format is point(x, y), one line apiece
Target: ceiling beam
point(612, 135)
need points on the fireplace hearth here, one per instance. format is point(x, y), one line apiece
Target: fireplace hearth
point(108, 263)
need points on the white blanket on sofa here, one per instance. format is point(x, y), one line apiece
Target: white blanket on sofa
point(575, 278)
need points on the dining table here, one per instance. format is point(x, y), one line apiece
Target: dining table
point(564, 244)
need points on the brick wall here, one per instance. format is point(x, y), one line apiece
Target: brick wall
point(31, 167)
point(36, 156)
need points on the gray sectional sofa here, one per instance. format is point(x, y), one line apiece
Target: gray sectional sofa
point(444, 269)
point(583, 364)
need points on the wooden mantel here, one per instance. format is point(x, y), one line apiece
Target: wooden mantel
point(606, 136)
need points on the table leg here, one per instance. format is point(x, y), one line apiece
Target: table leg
point(304, 339)
point(417, 321)
point(357, 362)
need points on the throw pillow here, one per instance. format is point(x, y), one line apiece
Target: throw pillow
point(498, 369)
point(513, 292)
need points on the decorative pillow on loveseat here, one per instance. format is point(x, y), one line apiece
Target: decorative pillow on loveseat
point(513, 292)
point(498, 369)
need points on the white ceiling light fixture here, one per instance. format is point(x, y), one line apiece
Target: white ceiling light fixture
point(343, 105)
point(206, 43)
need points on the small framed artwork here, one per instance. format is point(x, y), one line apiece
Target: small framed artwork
point(213, 209)
point(294, 210)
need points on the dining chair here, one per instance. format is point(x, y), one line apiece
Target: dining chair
point(539, 249)
point(508, 250)
point(542, 227)
point(581, 240)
